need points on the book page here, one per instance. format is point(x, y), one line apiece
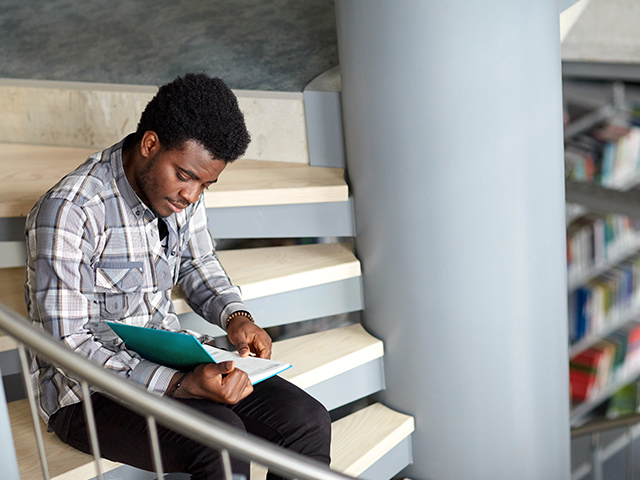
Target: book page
point(256, 368)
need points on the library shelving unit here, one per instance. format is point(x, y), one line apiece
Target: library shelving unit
point(586, 197)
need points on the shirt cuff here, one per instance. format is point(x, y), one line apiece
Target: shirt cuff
point(154, 377)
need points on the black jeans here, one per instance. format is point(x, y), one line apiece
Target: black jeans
point(276, 411)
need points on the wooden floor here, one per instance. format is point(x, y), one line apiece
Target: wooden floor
point(28, 171)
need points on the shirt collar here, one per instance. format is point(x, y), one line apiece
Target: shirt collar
point(139, 209)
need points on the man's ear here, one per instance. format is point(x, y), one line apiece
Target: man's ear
point(150, 144)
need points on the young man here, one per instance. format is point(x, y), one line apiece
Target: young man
point(110, 241)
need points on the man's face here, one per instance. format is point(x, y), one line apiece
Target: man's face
point(170, 180)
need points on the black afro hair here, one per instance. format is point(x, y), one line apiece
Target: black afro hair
point(199, 108)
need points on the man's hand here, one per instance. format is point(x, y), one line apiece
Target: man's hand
point(248, 337)
point(220, 382)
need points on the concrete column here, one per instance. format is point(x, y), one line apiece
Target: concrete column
point(8, 460)
point(453, 128)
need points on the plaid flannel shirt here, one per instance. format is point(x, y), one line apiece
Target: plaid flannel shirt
point(94, 254)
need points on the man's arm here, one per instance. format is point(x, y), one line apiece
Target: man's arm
point(61, 242)
point(210, 293)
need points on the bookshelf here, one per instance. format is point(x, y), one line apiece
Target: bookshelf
point(602, 155)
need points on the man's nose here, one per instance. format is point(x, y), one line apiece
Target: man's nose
point(190, 193)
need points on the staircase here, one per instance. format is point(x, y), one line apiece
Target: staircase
point(273, 193)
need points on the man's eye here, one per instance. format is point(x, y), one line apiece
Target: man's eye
point(182, 177)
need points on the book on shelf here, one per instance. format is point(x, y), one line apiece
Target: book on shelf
point(607, 365)
point(608, 154)
point(624, 401)
point(184, 352)
point(632, 357)
point(589, 371)
point(593, 241)
point(611, 299)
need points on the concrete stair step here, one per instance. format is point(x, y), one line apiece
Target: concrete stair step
point(30, 170)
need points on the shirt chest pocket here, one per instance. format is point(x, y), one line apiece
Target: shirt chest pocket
point(116, 285)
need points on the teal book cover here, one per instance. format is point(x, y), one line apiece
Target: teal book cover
point(183, 352)
point(172, 349)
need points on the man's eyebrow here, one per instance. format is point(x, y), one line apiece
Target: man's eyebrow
point(189, 172)
point(193, 175)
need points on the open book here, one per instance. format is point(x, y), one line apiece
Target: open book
point(183, 352)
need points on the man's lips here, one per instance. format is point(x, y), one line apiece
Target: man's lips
point(177, 206)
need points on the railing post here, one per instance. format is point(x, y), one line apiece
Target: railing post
point(91, 427)
point(596, 463)
point(155, 445)
point(34, 411)
point(630, 453)
point(8, 458)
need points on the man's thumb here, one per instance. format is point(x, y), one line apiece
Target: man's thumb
point(243, 348)
point(226, 367)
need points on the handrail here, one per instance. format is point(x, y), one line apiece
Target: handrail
point(601, 199)
point(599, 426)
point(166, 411)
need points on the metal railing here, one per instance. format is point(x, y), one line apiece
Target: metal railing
point(165, 411)
point(595, 428)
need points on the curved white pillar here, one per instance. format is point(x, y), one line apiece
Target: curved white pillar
point(453, 127)
point(8, 458)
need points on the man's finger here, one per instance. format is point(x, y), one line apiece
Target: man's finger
point(262, 348)
point(243, 349)
point(226, 367)
point(213, 369)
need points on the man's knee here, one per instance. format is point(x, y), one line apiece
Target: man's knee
point(312, 414)
point(215, 410)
